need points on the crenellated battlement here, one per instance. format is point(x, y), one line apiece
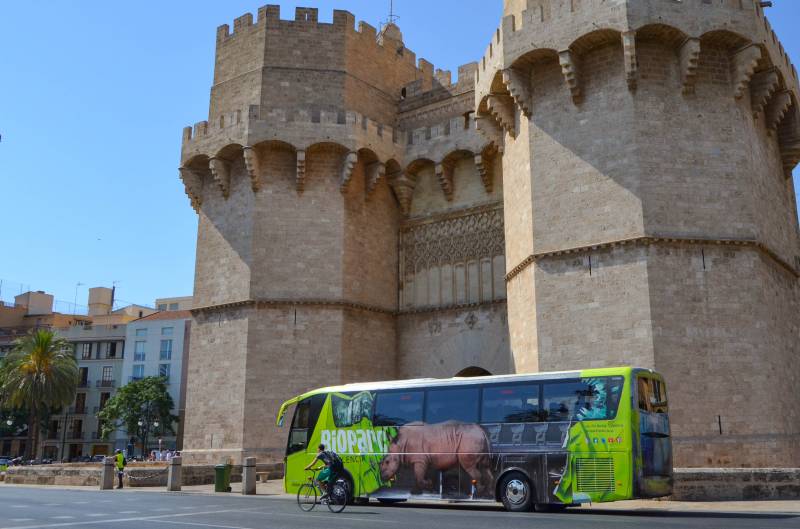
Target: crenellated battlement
point(306, 22)
point(302, 128)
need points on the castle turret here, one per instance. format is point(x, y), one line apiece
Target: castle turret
point(647, 157)
point(316, 163)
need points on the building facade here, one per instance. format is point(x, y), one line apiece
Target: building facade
point(157, 347)
point(173, 304)
point(609, 184)
point(76, 433)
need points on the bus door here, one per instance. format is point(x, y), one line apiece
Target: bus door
point(654, 450)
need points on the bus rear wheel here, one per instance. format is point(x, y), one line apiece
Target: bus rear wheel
point(516, 492)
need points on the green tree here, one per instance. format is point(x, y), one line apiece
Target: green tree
point(39, 374)
point(146, 401)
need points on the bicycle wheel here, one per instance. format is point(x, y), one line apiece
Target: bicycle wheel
point(307, 497)
point(337, 497)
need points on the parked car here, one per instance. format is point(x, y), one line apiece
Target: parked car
point(98, 458)
point(4, 462)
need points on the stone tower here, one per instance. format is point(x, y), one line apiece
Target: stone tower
point(619, 169)
point(348, 208)
point(649, 145)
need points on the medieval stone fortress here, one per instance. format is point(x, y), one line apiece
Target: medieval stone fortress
point(609, 184)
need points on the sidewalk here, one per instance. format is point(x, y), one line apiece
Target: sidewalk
point(275, 489)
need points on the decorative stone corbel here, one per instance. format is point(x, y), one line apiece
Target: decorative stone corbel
point(484, 166)
point(253, 167)
point(569, 69)
point(501, 106)
point(789, 140)
point(745, 62)
point(347, 170)
point(404, 190)
point(374, 172)
point(631, 63)
point(488, 126)
point(300, 176)
point(776, 110)
point(444, 173)
point(689, 55)
point(193, 185)
point(762, 86)
point(221, 172)
point(518, 85)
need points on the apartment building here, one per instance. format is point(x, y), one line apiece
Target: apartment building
point(157, 346)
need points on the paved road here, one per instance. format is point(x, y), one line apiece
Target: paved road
point(131, 509)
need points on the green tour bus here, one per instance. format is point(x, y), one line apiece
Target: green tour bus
point(548, 439)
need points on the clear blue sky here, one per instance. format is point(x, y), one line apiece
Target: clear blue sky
point(93, 99)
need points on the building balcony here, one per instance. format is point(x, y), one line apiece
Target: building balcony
point(77, 410)
point(133, 379)
point(106, 383)
point(96, 436)
point(75, 435)
point(85, 384)
point(97, 409)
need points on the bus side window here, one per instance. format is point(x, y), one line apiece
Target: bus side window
point(511, 404)
point(305, 419)
point(457, 404)
point(397, 408)
point(643, 390)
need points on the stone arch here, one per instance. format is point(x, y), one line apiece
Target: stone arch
point(473, 371)
point(724, 38)
point(669, 35)
point(594, 39)
point(285, 160)
point(532, 57)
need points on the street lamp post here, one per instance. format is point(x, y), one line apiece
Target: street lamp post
point(141, 424)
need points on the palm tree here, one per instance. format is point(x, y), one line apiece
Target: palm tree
point(39, 374)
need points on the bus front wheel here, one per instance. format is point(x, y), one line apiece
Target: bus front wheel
point(516, 492)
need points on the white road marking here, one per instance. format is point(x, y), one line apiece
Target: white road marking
point(163, 509)
point(128, 512)
point(19, 506)
point(53, 504)
point(17, 520)
point(80, 502)
point(138, 519)
point(97, 514)
point(188, 507)
point(171, 522)
point(63, 517)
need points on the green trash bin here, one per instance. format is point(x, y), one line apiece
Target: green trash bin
point(222, 478)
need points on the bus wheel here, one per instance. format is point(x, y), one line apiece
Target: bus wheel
point(516, 492)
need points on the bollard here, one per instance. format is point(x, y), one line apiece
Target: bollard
point(107, 476)
point(249, 476)
point(174, 475)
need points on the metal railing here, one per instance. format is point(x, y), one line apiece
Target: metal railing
point(85, 384)
point(106, 383)
point(77, 410)
point(75, 435)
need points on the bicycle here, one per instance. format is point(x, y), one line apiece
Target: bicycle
point(336, 500)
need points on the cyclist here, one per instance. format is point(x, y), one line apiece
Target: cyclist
point(332, 468)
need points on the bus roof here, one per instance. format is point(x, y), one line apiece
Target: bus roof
point(457, 381)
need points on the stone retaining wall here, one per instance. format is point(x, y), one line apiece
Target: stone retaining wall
point(87, 475)
point(725, 484)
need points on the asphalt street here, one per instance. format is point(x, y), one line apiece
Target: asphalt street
point(32, 508)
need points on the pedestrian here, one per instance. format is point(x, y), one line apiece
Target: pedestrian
point(120, 462)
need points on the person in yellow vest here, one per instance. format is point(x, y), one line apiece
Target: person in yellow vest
point(120, 462)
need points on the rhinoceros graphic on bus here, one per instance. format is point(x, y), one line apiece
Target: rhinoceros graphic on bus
point(442, 446)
